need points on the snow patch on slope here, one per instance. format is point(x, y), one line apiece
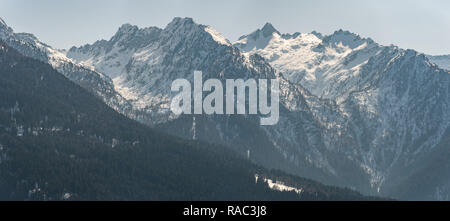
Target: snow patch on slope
point(278, 185)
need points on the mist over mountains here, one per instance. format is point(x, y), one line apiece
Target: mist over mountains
point(353, 113)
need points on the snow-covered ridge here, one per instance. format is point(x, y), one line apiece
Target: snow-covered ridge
point(217, 36)
point(56, 57)
point(314, 61)
point(143, 62)
point(93, 81)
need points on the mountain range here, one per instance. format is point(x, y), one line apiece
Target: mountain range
point(59, 142)
point(391, 104)
point(353, 113)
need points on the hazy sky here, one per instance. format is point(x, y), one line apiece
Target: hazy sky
point(423, 25)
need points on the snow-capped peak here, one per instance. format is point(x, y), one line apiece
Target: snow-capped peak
point(187, 26)
point(143, 64)
point(27, 37)
point(316, 62)
point(179, 23)
point(131, 36)
point(346, 38)
point(125, 30)
point(180, 20)
point(258, 39)
point(268, 30)
point(265, 32)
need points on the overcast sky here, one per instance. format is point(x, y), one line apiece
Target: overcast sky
point(423, 25)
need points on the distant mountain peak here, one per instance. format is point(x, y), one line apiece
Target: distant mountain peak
point(187, 26)
point(268, 30)
point(131, 36)
point(186, 20)
point(27, 37)
point(347, 38)
point(5, 30)
point(125, 30)
point(179, 23)
point(265, 32)
point(2, 23)
point(317, 34)
point(343, 38)
point(127, 27)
